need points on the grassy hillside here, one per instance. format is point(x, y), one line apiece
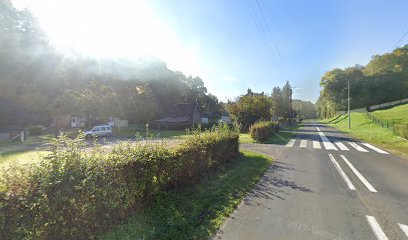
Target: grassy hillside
point(365, 130)
point(398, 114)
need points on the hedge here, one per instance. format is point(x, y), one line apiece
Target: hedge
point(77, 193)
point(262, 130)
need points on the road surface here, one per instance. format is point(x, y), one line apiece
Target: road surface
point(324, 185)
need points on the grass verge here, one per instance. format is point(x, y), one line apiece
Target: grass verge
point(198, 211)
point(24, 157)
point(281, 138)
point(397, 114)
point(364, 129)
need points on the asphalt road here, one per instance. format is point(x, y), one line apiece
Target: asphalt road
point(344, 190)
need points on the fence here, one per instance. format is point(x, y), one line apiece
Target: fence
point(386, 105)
point(397, 129)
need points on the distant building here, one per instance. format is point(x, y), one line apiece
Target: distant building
point(182, 115)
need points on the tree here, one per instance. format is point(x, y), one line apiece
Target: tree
point(286, 100)
point(248, 109)
point(277, 109)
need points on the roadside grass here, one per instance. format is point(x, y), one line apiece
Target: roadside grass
point(30, 144)
point(23, 157)
point(132, 131)
point(281, 138)
point(199, 210)
point(364, 129)
point(398, 114)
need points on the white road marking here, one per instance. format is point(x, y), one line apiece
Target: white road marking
point(376, 228)
point(303, 143)
point(291, 143)
point(375, 148)
point(342, 173)
point(316, 144)
point(326, 142)
point(354, 145)
point(359, 175)
point(342, 146)
point(404, 228)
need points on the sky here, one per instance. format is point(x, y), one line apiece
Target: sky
point(232, 45)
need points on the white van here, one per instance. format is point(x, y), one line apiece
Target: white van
point(101, 130)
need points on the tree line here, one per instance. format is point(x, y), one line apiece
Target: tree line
point(383, 79)
point(253, 107)
point(37, 82)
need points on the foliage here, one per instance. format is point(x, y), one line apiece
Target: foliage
point(304, 108)
point(199, 210)
point(36, 130)
point(75, 192)
point(248, 109)
point(38, 83)
point(383, 79)
point(262, 130)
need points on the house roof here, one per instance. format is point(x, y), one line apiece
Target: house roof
point(181, 113)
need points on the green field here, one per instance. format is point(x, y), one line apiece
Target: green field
point(23, 157)
point(398, 114)
point(199, 210)
point(365, 130)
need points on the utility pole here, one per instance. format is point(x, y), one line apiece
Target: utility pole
point(348, 111)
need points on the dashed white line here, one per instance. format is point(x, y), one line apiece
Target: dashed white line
point(342, 173)
point(316, 144)
point(342, 146)
point(379, 233)
point(375, 148)
point(404, 228)
point(303, 143)
point(291, 143)
point(359, 175)
point(357, 147)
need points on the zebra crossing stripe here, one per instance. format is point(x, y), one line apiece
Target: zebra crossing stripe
point(375, 148)
point(291, 143)
point(357, 147)
point(404, 228)
point(316, 144)
point(303, 143)
point(342, 146)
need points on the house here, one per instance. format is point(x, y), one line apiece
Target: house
point(225, 118)
point(182, 115)
point(116, 122)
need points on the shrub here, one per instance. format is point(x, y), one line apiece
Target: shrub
point(36, 130)
point(76, 193)
point(261, 131)
point(401, 130)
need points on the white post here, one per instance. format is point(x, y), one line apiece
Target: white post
point(22, 136)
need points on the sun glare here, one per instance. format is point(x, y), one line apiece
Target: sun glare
point(117, 29)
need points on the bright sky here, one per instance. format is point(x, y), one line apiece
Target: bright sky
point(220, 42)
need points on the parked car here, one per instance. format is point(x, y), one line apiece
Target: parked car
point(101, 130)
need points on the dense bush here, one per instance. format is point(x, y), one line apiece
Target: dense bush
point(76, 193)
point(36, 130)
point(261, 131)
point(401, 130)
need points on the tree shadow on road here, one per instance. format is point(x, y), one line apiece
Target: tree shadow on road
point(274, 183)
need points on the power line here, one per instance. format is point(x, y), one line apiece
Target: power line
point(262, 33)
point(403, 36)
point(271, 36)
